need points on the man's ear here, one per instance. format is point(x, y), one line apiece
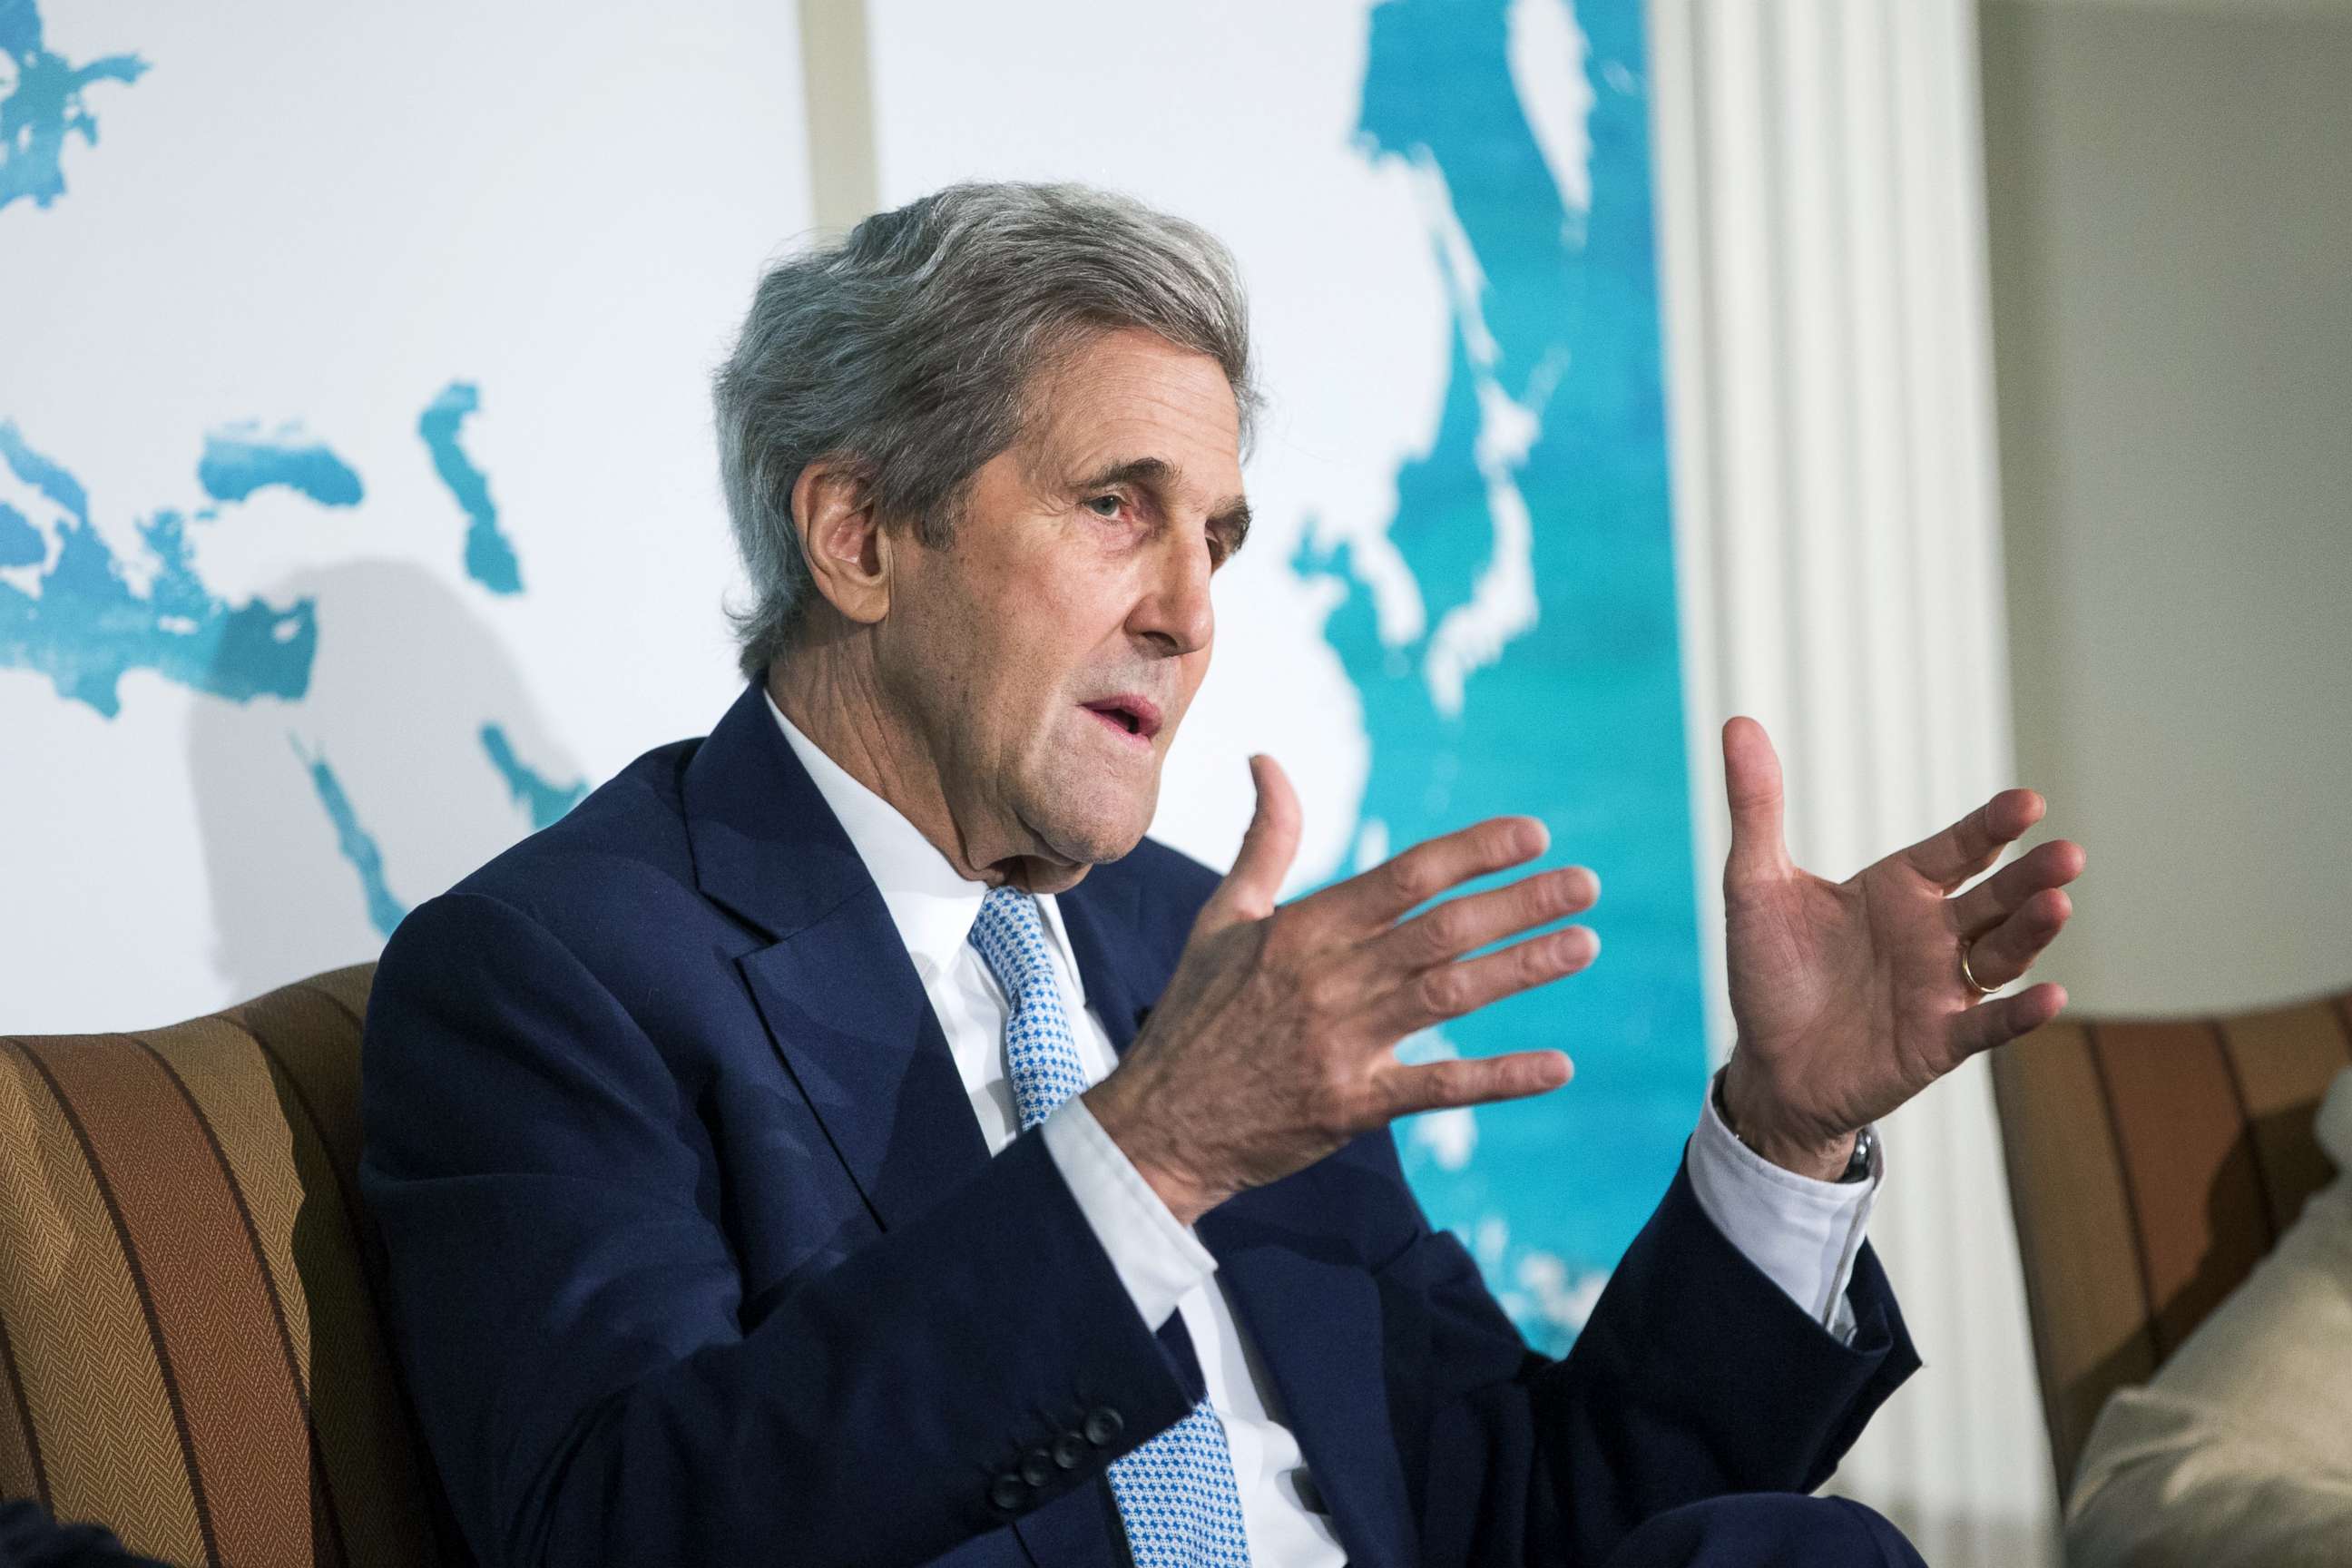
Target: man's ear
point(841, 535)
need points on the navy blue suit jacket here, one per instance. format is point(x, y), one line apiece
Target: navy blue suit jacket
point(695, 1254)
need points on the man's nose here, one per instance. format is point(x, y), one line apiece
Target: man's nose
point(1174, 611)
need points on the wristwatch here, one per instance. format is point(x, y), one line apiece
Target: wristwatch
point(1857, 1164)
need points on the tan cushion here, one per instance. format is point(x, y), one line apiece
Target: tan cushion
point(2238, 1453)
point(2151, 1165)
point(190, 1350)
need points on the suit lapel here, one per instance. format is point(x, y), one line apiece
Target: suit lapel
point(847, 1013)
point(835, 988)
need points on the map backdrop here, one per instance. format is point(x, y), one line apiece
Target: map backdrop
point(357, 511)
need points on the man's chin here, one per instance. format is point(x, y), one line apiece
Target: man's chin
point(1100, 848)
point(1060, 869)
point(1077, 841)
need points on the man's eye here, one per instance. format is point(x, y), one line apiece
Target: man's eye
point(1105, 506)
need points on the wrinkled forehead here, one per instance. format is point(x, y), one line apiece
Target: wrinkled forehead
point(1129, 397)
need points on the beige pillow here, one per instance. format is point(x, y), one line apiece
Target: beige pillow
point(2239, 1450)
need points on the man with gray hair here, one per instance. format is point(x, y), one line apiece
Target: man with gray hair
point(847, 1139)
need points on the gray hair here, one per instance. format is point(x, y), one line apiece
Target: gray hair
point(911, 347)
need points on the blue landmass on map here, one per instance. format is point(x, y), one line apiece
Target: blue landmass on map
point(21, 543)
point(86, 626)
point(547, 802)
point(355, 842)
point(239, 459)
point(49, 477)
point(44, 105)
point(1577, 718)
point(489, 555)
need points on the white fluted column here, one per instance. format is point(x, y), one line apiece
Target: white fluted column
point(1829, 350)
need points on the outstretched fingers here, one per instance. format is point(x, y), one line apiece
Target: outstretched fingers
point(1751, 782)
point(2000, 1019)
point(1474, 920)
point(1469, 1080)
point(1268, 846)
point(1450, 990)
point(2002, 894)
point(1375, 898)
point(1975, 841)
point(2005, 952)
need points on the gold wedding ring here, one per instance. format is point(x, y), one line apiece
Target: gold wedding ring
point(1978, 986)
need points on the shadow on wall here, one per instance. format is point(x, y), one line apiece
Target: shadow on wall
point(416, 755)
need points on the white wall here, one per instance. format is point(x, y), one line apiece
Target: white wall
point(2170, 202)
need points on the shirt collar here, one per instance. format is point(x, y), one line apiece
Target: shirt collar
point(932, 904)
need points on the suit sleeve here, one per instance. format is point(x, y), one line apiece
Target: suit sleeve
point(1695, 1376)
point(564, 1299)
point(30, 1539)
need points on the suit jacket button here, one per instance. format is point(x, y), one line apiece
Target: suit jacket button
point(1069, 1448)
point(1103, 1426)
point(1008, 1492)
point(1037, 1466)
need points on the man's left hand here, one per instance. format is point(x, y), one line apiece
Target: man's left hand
point(1849, 997)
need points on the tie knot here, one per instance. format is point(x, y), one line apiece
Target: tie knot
point(1011, 939)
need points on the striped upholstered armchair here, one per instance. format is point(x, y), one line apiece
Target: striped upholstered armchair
point(190, 1347)
point(2152, 1163)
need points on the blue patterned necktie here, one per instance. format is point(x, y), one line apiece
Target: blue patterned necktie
point(1176, 1493)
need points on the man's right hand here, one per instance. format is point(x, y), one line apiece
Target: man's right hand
point(1274, 1043)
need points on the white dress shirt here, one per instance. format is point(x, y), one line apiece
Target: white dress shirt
point(1803, 1233)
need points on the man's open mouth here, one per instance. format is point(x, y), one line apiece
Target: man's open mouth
point(1137, 716)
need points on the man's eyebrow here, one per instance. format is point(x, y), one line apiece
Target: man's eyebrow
point(1152, 471)
point(1232, 514)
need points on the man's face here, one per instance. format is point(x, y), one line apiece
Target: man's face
point(1050, 651)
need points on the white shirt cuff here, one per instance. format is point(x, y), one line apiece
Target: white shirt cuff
point(1803, 1233)
point(1159, 1259)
